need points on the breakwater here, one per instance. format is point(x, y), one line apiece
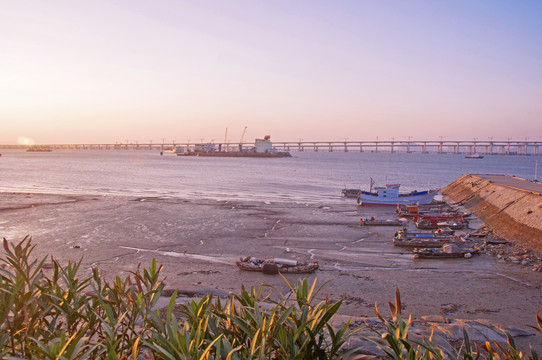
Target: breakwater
point(510, 206)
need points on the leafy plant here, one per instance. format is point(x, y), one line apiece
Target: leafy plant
point(53, 313)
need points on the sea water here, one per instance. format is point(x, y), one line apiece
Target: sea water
point(306, 177)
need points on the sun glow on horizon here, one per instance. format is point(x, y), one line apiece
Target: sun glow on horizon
point(21, 140)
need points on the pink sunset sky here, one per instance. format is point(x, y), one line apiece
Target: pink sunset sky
point(116, 71)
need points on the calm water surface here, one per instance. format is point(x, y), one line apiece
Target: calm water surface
point(307, 177)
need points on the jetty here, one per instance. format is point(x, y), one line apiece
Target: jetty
point(510, 206)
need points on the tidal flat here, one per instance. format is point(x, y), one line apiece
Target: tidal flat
point(198, 242)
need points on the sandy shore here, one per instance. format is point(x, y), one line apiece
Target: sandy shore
point(198, 243)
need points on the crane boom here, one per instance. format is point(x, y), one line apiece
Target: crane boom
point(242, 137)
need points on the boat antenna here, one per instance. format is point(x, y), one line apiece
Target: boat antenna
point(371, 187)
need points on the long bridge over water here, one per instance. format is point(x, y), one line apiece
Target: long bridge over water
point(506, 147)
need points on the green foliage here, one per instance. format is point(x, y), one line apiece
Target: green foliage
point(54, 313)
point(395, 341)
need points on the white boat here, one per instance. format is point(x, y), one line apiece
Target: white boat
point(474, 156)
point(389, 196)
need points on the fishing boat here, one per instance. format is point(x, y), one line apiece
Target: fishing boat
point(434, 223)
point(439, 231)
point(447, 251)
point(276, 265)
point(350, 193)
point(387, 222)
point(389, 196)
point(427, 242)
point(474, 156)
point(428, 210)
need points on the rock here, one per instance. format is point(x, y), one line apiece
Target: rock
point(364, 346)
point(434, 318)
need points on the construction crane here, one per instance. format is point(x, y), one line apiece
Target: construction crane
point(225, 142)
point(242, 137)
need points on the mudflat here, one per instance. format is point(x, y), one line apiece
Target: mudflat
point(198, 242)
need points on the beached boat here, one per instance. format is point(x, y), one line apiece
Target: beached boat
point(427, 242)
point(387, 222)
point(439, 231)
point(452, 223)
point(426, 210)
point(276, 265)
point(350, 193)
point(447, 251)
point(389, 196)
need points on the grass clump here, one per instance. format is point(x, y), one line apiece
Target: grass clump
point(56, 314)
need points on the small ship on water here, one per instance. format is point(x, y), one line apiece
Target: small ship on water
point(263, 148)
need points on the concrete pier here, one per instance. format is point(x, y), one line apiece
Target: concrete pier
point(511, 206)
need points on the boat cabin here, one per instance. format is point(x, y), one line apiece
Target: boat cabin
point(390, 190)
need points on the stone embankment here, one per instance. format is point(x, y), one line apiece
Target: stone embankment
point(510, 207)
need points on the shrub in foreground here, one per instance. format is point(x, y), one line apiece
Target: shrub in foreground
point(55, 314)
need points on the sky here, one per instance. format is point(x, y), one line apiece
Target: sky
point(94, 71)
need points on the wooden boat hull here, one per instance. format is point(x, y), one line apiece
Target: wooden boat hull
point(381, 223)
point(350, 193)
point(436, 232)
point(425, 242)
point(421, 198)
point(252, 264)
point(426, 253)
point(429, 226)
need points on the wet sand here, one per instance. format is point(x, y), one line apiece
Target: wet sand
point(198, 243)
